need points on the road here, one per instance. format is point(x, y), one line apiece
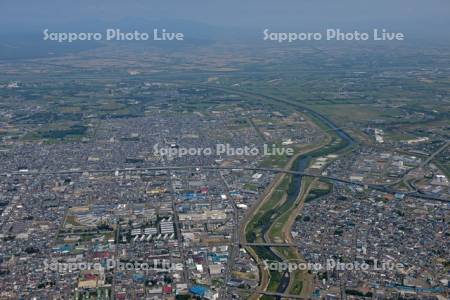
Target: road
point(432, 156)
point(284, 296)
point(381, 188)
point(420, 166)
point(234, 251)
point(178, 231)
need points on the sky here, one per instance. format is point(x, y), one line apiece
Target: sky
point(426, 17)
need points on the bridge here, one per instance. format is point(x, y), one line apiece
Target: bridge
point(274, 294)
point(267, 245)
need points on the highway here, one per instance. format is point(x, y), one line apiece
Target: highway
point(381, 188)
point(268, 245)
point(432, 156)
point(282, 295)
point(420, 166)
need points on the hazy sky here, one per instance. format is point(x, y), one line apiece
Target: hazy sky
point(420, 15)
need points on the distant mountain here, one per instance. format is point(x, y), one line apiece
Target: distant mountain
point(26, 40)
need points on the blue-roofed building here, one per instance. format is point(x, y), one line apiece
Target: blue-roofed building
point(66, 248)
point(198, 290)
point(190, 196)
point(399, 196)
point(138, 278)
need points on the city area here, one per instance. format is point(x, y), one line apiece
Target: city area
point(225, 172)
